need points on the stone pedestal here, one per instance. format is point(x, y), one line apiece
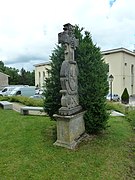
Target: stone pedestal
point(69, 130)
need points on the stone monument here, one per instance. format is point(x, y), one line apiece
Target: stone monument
point(69, 73)
point(70, 123)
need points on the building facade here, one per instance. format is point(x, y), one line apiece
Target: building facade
point(122, 66)
point(4, 80)
point(121, 63)
point(41, 73)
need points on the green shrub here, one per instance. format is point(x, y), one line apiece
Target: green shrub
point(4, 98)
point(125, 97)
point(23, 100)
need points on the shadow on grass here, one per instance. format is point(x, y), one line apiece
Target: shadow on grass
point(49, 133)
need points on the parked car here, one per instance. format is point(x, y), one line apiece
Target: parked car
point(23, 91)
point(115, 97)
point(6, 91)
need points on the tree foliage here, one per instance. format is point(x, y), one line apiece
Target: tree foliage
point(16, 78)
point(93, 85)
point(92, 82)
point(125, 96)
point(52, 84)
point(27, 77)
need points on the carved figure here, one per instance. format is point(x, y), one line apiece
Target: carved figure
point(69, 73)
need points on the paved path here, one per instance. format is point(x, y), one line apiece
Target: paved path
point(115, 113)
point(17, 107)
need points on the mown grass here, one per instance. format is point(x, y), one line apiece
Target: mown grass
point(27, 151)
point(117, 106)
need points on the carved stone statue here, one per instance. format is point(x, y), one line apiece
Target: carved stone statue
point(69, 73)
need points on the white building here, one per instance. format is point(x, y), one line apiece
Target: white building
point(41, 73)
point(122, 66)
point(4, 78)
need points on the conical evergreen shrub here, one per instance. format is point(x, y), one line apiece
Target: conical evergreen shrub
point(92, 82)
point(125, 97)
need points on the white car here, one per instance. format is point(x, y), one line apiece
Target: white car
point(6, 91)
point(115, 97)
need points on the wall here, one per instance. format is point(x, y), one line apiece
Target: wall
point(3, 80)
point(115, 68)
point(40, 74)
point(129, 73)
point(122, 67)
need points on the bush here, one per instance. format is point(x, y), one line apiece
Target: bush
point(24, 100)
point(4, 98)
point(125, 97)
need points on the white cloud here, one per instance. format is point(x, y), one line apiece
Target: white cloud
point(29, 28)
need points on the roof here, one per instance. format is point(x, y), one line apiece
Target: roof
point(1, 73)
point(107, 52)
point(42, 64)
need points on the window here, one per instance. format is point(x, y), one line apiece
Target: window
point(132, 69)
point(132, 78)
point(39, 79)
point(4, 90)
point(18, 93)
point(43, 75)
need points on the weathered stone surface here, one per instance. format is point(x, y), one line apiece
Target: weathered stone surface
point(6, 105)
point(69, 130)
point(70, 122)
point(69, 111)
point(69, 73)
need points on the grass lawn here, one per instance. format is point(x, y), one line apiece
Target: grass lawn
point(27, 151)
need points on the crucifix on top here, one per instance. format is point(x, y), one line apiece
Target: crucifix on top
point(68, 39)
point(69, 72)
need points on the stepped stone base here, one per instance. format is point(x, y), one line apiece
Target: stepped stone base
point(70, 130)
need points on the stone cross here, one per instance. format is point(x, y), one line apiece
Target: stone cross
point(70, 122)
point(68, 39)
point(69, 73)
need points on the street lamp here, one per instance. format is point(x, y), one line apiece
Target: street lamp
point(111, 78)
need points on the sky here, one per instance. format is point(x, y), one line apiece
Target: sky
point(29, 28)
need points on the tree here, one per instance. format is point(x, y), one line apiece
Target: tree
point(125, 96)
point(93, 85)
point(92, 79)
point(26, 77)
point(13, 73)
point(2, 67)
point(52, 84)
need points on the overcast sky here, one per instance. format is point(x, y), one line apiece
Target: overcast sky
point(29, 28)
